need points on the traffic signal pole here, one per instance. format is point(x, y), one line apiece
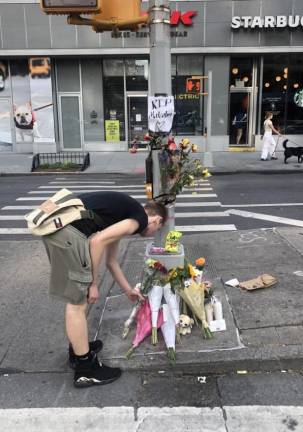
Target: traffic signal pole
point(160, 85)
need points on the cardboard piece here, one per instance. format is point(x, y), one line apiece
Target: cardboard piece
point(262, 281)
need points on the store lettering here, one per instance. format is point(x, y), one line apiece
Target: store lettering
point(185, 18)
point(268, 21)
point(186, 96)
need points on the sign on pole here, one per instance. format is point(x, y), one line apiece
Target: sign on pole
point(161, 111)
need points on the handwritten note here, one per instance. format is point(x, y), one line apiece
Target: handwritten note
point(161, 110)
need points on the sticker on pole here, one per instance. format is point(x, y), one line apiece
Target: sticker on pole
point(161, 111)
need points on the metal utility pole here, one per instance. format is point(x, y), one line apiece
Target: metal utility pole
point(160, 85)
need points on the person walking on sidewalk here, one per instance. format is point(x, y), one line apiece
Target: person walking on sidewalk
point(75, 253)
point(269, 144)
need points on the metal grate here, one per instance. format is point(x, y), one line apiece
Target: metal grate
point(78, 158)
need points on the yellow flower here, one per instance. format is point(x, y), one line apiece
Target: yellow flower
point(191, 271)
point(194, 148)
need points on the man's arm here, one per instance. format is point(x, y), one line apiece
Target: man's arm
point(99, 242)
point(114, 267)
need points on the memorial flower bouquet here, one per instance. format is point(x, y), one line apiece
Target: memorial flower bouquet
point(177, 166)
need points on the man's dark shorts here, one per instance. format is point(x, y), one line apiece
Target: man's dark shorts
point(71, 269)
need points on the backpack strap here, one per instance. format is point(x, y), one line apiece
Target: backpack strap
point(90, 214)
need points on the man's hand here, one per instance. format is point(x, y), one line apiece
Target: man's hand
point(134, 295)
point(93, 294)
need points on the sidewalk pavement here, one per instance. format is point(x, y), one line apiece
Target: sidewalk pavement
point(264, 327)
point(128, 163)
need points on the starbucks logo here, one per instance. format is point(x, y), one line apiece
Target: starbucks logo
point(298, 98)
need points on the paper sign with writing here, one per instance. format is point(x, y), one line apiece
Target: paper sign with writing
point(161, 110)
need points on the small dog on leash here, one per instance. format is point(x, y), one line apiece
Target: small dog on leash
point(292, 151)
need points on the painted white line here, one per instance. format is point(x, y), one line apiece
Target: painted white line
point(201, 214)
point(205, 228)
point(14, 231)
point(101, 189)
point(265, 217)
point(41, 198)
point(262, 205)
point(199, 204)
point(12, 217)
point(188, 204)
point(19, 207)
point(84, 181)
point(92, 186)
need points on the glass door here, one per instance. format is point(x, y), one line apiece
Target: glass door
point(71, 130)
point(137, 118)
point(6, 136)
point(240, 117)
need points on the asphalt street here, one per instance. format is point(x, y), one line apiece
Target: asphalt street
point(220, 203)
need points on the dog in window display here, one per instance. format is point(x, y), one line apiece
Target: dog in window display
point(26, 122)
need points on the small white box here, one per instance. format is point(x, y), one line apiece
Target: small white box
point(217, 325)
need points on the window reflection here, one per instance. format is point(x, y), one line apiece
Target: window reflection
point(188, 103)
point(41, 99)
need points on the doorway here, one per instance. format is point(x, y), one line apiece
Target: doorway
point(6, 127)
point(137, 111)
point(70, 122)
point(240, 117)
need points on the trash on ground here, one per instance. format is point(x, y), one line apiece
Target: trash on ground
point(232, 282)
point(262, 281)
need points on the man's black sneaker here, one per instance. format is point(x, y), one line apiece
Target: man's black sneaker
point(95, 346)
point(90, 372)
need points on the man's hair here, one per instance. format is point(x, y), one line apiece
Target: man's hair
point(154, 208)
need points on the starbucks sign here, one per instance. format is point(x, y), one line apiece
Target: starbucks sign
point(267, 21)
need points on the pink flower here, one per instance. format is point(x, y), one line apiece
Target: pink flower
point(144, 325)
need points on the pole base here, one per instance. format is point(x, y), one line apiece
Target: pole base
point(207, 160)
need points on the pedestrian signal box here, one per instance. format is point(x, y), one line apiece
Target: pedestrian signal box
point(121, 14)
point(68, 7)
point(193, 85)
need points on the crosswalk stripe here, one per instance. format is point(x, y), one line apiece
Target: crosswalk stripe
point(19, 207)
point(199, 204)
point(177, 215)
point(41, 198)
point(99, 189)
point(84, 181)
point(188, 204)
point(205, 228)
point(201, 214)
point(12, 217)
point(14, 231)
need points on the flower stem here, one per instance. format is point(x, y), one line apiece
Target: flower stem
point(154, 336)
point(129, 352)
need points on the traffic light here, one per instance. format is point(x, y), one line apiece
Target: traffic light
point(121, 15)
point(70, 7)
point(193, 85)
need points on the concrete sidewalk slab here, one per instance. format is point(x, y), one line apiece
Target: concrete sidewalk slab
point(127, 163)
point(269, 321)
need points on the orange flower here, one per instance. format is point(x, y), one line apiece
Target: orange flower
point(200, 262)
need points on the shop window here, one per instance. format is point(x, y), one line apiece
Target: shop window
point(41, 99)
point(92, 96)
point(274, 89)
point(294, 95)
point(188, 98)
point(136, 75)
point(22, 106)
point(241, 72)
point(114, 106)
point(68, 75)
